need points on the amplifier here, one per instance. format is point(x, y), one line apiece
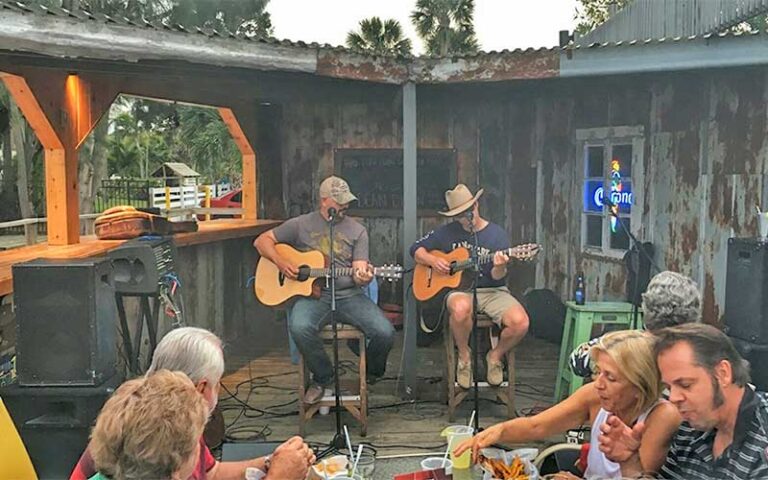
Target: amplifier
point(141, 264)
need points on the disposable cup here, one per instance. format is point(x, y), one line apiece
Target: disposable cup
point(433, 463)
point(457, 434)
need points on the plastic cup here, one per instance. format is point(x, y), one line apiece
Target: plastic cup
point(366, 465)
point(433, 463)
point(456, 435)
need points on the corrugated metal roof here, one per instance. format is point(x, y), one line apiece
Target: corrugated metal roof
point(69, 35)
point(658, 19)
point(83, 15)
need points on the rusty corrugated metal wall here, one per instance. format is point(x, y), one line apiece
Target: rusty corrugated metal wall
point(704, 155)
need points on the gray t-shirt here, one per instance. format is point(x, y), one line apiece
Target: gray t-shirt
point(310, 232)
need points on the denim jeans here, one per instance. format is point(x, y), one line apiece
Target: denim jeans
point(308, 315)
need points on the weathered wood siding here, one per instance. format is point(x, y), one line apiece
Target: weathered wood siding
point(703, 171)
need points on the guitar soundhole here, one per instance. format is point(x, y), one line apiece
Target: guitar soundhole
point(281, 279)
point(304, 272)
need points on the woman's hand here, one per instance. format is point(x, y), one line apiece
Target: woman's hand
point(482, 440)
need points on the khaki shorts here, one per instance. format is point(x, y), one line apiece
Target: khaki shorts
point(492, 301)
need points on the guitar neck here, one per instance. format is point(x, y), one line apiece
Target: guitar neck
point(481, 259)
point(326, 272)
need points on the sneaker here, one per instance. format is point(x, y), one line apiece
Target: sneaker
point(313, 394)
point(495, 374)
point(464, 374)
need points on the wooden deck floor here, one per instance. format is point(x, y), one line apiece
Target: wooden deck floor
point(265, 395)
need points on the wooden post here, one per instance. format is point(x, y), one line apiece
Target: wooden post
point(62, 109)
point(167, 199)
point(207, 200)
point(250, 180)
point(30, 233)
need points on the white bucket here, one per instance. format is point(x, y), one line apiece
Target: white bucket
point(763, 223)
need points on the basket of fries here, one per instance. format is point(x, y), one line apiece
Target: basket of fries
point(500, 465)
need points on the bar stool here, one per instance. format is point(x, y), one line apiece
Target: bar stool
point(504, 392)
point(583, 323)
point(357, 403)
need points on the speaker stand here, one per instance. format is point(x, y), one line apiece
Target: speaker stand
point(147, 314)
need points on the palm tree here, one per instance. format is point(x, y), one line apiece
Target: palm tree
point(446, 26)
point(379, 38)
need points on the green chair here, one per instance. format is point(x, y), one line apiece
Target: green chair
point(583, 323)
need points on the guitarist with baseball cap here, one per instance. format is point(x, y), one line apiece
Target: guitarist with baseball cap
point(307, 315)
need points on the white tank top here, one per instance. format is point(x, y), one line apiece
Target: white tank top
point(598, 466)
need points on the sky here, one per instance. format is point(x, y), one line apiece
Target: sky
point(499, 24)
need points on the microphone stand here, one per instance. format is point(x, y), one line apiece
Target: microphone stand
point(609, 203)
point(474, 261)
point(338, 442)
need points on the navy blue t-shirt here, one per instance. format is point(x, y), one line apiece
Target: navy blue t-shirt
point(452, 236)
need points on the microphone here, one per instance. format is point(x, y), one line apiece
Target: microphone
point(331, 214)
point(470, 215)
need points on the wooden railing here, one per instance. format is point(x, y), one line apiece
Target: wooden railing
point(31, 225)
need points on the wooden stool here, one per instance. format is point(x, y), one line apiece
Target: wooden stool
point(357, 404)
point(456, 394)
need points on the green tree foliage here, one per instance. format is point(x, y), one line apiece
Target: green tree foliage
point(595, 12)
point(379, 38)
point(446, 26)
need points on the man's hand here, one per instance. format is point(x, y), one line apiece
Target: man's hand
point(440, 265)
point(291, 460)
point(619, 442)
point(362, 276)
point(484, 439)
point(500, 259)
point(287, 268)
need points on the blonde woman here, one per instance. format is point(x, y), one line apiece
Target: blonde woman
point(626, 384)
point(150, 428)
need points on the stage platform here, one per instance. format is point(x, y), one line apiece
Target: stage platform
point(268, 383)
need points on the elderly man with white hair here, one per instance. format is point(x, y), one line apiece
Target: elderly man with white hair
point(198, 354)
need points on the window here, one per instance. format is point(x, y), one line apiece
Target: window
point(612, 165)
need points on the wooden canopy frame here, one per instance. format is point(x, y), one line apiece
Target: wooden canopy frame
point(63, 108)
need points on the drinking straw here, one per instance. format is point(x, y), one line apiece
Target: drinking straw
point(472, 418)
point(447, 450)
point(349, 442)
point(357, 459)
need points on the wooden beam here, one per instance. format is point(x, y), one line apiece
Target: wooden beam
point(250, 181)
point(62, 108)
point(30, 107)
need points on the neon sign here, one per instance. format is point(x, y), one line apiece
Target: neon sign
point(594, 193)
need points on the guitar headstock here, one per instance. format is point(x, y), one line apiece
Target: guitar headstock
point(389, 272)
point(525, 252)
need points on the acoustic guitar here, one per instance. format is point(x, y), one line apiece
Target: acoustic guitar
point(272, 287)
point(428, 282)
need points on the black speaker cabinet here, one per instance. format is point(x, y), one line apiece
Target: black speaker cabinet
point(54, 422)
point(746, 290)
point(66, 319)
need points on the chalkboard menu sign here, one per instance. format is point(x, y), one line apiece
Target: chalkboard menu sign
point(375, 176)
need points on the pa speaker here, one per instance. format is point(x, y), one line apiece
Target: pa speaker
point(54, 422)
point(66, 319)
point(746, 290)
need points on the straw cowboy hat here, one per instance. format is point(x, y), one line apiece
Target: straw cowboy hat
point(459, 199)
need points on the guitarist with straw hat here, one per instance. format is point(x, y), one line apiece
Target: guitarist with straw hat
point(493, 296)
point(307, 315)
